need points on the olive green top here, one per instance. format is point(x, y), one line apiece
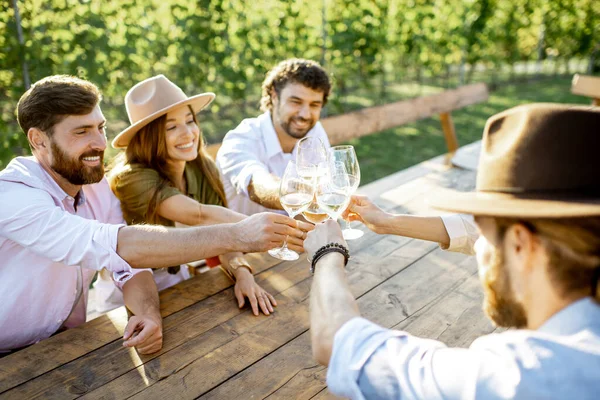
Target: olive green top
point(137, 185)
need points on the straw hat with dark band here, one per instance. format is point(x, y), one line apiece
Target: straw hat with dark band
point(153, 98)
point(537, 161)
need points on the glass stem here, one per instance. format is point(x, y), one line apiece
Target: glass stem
point(284, 245)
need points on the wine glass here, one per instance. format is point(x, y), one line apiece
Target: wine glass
point(312, 153)
point(295, 194)
point(347, 156)
point(333, 191)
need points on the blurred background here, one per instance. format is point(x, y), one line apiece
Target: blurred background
point(377, 51)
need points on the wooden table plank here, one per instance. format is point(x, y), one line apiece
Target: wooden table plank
point(277, 279)
point(191, 380)
point(391, 302)
point(325, 395)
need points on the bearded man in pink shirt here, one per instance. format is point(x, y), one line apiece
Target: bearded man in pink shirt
point(60, 223)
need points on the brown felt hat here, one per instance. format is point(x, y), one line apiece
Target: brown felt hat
point(537, 161)
point(153, 98)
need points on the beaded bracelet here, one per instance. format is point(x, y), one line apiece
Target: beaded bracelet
point(329, 248)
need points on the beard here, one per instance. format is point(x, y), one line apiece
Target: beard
point(500, 304)
point(296, 133)
point(74, 170)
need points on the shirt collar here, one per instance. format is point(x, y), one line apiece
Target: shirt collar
point(573, 318)
point(271, 140)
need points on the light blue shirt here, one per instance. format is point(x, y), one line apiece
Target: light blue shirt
point(560, 360)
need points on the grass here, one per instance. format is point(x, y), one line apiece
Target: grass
point(395, 149)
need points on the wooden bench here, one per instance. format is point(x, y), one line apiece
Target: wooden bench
point(341, 128)
point(589, 86)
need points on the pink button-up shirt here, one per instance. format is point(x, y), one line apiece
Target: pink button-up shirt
point(50, 249)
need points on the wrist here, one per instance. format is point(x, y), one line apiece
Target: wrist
point(242, 272)
point(154, 316)
point(386, 224)
point(333, 259)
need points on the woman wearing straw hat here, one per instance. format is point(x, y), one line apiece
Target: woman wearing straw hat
point(165, 177)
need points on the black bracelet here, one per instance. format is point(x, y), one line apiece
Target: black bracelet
point(329, 248)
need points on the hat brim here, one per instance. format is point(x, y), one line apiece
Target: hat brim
point(515, 205)
point(198, 103)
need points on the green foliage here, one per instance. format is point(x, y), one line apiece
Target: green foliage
point(227, 46)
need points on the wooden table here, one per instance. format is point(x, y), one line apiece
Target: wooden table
point(213, 350)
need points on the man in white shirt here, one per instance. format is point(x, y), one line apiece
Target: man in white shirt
point(537, 206)
point(253, 156)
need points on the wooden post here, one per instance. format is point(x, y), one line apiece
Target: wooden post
point(589, 86)
point(449, 133)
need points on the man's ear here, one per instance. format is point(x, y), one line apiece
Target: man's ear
point(38, 140)
point(522, 244)
point(274, 97)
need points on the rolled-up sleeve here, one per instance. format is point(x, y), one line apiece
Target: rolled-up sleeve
point(463, 233)
point(49, 231)
point(372, 362)
point(238, 160)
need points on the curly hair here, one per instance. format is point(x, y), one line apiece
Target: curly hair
point(306, 72)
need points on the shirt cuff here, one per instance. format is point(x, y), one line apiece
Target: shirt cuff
point(353, 345)
point(456, 231)
point(121, 270)
point(242, 181)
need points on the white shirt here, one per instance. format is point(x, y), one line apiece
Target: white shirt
point(463, 233)
point(250, 148)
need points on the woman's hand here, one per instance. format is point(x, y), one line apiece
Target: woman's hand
point(245, 286)
point(362, 209)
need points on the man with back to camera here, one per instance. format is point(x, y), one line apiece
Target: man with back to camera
point(537, 206)
point(60, 223)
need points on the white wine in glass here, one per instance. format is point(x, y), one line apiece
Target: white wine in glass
point(295, 203)
point(333, 191)
point(334, 203)
point(347, 156)
point(314, 213)
point(295, 195)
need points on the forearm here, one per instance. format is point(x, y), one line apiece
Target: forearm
point(141, 295)
point(147, 246)
point(212, 215)
point(417, 227)
point(331, 305)
point(264, 190)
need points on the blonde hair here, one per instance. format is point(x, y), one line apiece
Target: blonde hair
point(573, 248)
